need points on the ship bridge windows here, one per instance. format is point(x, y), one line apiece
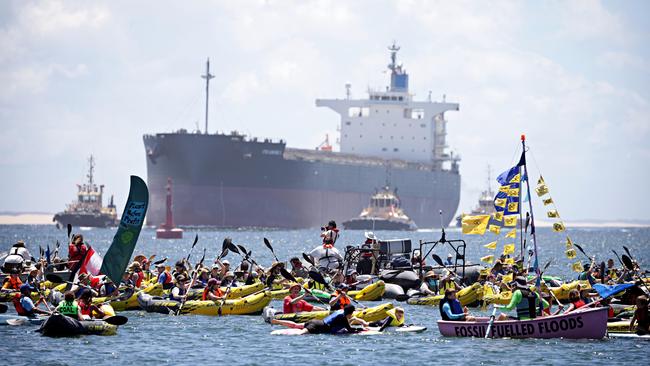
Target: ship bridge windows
point(413, 113)
point(358, 112)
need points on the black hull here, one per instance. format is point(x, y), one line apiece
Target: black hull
point(374, 225)
point(85, 220)
point(226, 181)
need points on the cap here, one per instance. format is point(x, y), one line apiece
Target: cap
point(449, 255)
point(225, 261)
point(370, 235)
point(160, 265)
point(26, 287)
point(20, 243)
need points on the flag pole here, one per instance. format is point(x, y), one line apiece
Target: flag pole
point(532, 219)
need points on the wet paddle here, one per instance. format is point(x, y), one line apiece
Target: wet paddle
point(286, 274)
point(491, 323)
point(196, 239)
point(318, 277)
point(630, 266)
point(268, 245)
point(116, 320)
point(440, 263)
point(194, 277)
point(582, 251)
point(309, 259)
point(3, 308)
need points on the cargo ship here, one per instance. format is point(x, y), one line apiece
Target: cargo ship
point(232, 180)
point(88, 209)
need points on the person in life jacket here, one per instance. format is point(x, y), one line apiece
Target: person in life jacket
point(430, 285)
point(575, 302)
point(164, 277)
point(525, 301)
point(86, 307)
point(336, 322)
point(448, 282)
point(340, 298)
point(12, 282)
point(83, 282)
point(212, 291)
point(108, 288)
point(77, 250)
point(295, 303)
point(180, 288)
point(327, 255)
point(297, 269)
point(69, 306)
point(394, 318)
point(24, 304)
point(137, 275)
point(20, 249)
point(329, 233)
point(451, 309)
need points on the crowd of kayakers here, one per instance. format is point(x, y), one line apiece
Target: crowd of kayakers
point(323, 272)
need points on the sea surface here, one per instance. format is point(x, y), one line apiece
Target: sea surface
point(149, 339)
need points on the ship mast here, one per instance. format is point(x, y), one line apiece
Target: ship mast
point(207, 78)
point(91, 168)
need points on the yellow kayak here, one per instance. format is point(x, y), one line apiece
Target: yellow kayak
point(372, 314)
point(467, 296)
point(372, 292)
point(622, 326)
point(131, 303)
point(235, 292)
point(562, 292)
point(251, 304)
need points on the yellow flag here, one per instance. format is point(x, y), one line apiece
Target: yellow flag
point(492, 245)
point(513, 207)
point(475, 225)
point(510, 220)
point(487, 259)
point(500, 202)
point(577, 267)
point(510, 261)
point(540, 181)
point(515, 179)
point(558, 227)
point(484, 272)
point(541, 190)
point(507, 278)
point(513, 192)
point(569, 243)
point(498, 216)
point(508, 249)
point(552, 213)
point(512, 233)
point(504, 189)
point(570, 253)
point(547, 201)
point(495, 229)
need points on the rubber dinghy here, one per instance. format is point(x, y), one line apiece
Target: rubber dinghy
point(581, 324)
point(251, 304)
point(58, 325)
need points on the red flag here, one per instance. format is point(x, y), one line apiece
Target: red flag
point(92, 263)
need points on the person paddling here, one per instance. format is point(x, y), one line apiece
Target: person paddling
point(524, 300)
point(69, 306)
point(164, 277)
point(575, 302)
point(86, 306)
point(340, 298)
point(13, 282)
point(295, 303)
point(430, 284)
point(337, 322)
point(212, 291)
point(641, 317)
point(451, 308)
point(24, 304)
point(77, 250)
point(180, 288)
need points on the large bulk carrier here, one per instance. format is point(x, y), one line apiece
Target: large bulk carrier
point(231, 180)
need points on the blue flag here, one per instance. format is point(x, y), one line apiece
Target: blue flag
point(47, 254)
point(606, 291)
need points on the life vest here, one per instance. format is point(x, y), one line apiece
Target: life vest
point(69, 308)
point(330, 238)
point(12, 283)
point(138, 282)
point(394, 321)
point(448, 285)
point(342, 301)
point(19, 307)
point(95, 282)
point(181, 293)
point(216, 292)
point(85, 308)
point(578, 304)
point(317, 285)
point(456, 307)
point(527, 307)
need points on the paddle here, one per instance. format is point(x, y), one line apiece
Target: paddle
point(630, 265)
point(619, 258)
point(286, 274)
point(268, 245)
point(196, 239)
point(602, 272)
point(582, 251)
point(116, 320)
point(316, 276)
point(309, 259)
point(194, 277)
point(160, 261)
point(439, 261)
point(230, 246)
point(3, 308)
point(491, 323)
point(547, 286)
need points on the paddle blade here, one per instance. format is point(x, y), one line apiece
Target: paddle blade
point(580, 249)
point(196, 240)
point(160, 261)
point(242, 249)
point(627, 261)
point(268, 244)
point(116, 320)
point(286, 274)
point(602, 272)
point(627, 251)
point(317, 277)
point(402, 297)
point(437, 259)
point(69, 230)
point(3, 308)
point(269, 281)
point(231, 247)
point(308, 258)
point(54, 278)
point(58, 244)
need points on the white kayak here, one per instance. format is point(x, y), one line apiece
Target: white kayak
point(411, 329)
point(629, 335)
point(294, 331)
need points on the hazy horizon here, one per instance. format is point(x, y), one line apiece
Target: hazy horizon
point(83, 78)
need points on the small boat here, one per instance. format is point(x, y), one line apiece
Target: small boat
point(58, 325)
point(590, 323)
point(384, 213)
point(371, 314)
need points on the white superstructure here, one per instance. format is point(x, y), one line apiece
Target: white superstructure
point(391, 125)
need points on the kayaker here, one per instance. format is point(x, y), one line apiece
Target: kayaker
point(13, 282)
point(229, 280)
point(586, 274)
point(452, 309)
point(297, 269)
point(108, 288)
point(351, 279)
point(77, 250)
point(334, 323)
point(641, 317)
point(164, 277)
point(204, 276)
point(524, 300)
point(575, 302)
point(24, 304)
point(225, 268)
point(215, 273)
point(180, 288)
point(212, 291)
point(69, 306)
point(448, 282)
point(34, 277)
point(137, 276)
point(295, 303)
point(340, 298)
point(179, 269)
point(498, 269)
point(449, 261)
point(367, 260)
point(86, 306)
point(83, 282)
point(395, 318)
point(430, 284)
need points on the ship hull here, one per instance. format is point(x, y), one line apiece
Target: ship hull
point(378, 224)
point(84, 220)
point(228, 182)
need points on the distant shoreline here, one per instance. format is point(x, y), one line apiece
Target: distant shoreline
point(7, 218)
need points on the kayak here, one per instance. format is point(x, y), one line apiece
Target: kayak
point(582, 324)
point(621, 326)
point(562, 292)
point(293, 331)
point(320, 294)
point(130, 303)
point(372, 292)
point(19, 320)
point(58, 325)
point(410, 329)
point(468, 296)
point(628, 335)
point(235, 292)
point(251, 304)
point(372, 314)
point(502, 298)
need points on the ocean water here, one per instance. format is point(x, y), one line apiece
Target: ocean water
point(245, 340)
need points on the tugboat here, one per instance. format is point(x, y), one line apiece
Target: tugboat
point(384, 213)
point(485, 205)
point(88, 210)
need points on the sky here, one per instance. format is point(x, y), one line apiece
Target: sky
point(81, 77)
